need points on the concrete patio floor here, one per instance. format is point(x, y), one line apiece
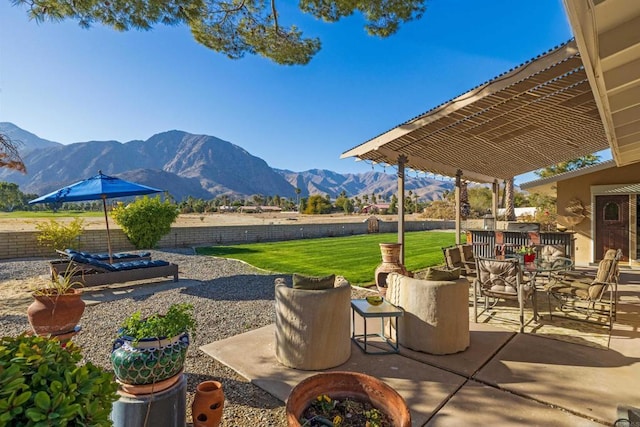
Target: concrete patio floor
point(503, 378)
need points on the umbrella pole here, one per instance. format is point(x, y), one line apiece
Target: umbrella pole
point(106, 220)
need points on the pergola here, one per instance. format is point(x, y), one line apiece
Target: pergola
point(607, 35)
point(538, 114)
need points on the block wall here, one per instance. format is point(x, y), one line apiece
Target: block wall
point(23, 244)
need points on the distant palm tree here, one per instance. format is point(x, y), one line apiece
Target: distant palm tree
point(298, 191)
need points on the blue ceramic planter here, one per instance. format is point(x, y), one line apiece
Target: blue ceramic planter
point(149, 360)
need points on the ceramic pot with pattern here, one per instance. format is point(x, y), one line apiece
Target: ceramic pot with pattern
point(149, 360)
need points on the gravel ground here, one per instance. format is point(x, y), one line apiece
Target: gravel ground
point(233, 298)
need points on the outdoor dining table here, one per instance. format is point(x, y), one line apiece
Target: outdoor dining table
point(541, 266)
point(548, 266)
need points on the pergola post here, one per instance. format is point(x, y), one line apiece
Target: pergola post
point(458, 212)
point(494, 199)
point(402, 160)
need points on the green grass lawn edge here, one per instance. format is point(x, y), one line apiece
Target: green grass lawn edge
point(354, 257)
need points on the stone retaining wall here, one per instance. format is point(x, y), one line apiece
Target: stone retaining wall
point(23, 244)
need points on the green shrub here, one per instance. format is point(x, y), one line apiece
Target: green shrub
point(54, 235)
point(146, 220)
point(42, 384)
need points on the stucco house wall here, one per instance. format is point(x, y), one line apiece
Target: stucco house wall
point(584, 188)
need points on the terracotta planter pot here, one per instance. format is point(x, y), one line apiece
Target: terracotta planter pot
point(208, 403)
point(353, 385)
point(390, 264)
point(56, 314)
point(142, 389)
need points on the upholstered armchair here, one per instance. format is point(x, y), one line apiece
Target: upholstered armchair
point(501, 280)
point(436, 313)
point(313, 327)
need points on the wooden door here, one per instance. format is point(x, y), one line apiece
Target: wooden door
point(612, 225)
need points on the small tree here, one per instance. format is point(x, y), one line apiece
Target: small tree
point(54, 235)
point(317, 205)
point(145, 220)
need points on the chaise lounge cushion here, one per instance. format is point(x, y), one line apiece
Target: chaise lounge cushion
point(119, 266)
point(105, 256)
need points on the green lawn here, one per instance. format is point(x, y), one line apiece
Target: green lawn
point(354, 257)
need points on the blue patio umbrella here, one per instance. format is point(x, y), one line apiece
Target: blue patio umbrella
point(97, 187)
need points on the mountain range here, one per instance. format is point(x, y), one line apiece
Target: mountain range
point(185, 165)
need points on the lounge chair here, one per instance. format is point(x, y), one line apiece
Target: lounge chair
point(92, 272)
point(61, 265)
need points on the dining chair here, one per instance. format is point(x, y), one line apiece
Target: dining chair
point(499, 280)
point(583, 293)
point(460, 256)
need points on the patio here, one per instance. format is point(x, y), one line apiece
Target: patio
point(503, 378)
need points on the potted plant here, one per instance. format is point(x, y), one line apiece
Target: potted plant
point(149, 353)
point(57, 306)
point(345, 398)
point(42, 383)
point(527, 254)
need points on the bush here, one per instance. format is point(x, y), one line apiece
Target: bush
point(55, 235)
point(41, 383)
point(146, 220)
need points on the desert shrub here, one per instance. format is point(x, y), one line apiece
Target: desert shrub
point(145, 220)
point(55, 235)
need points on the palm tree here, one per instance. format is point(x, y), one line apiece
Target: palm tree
point(298, 191)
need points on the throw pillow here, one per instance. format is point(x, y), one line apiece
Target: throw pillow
point(441, 274)
point(313, 283)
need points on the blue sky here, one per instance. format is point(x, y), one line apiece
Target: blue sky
point(67, 84)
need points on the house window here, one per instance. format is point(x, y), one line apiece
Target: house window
point(612, 212)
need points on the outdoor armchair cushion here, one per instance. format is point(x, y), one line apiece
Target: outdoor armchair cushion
point(549, 252)
point(439, 274)
point(313, 283)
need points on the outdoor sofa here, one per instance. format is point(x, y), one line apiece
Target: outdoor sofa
point(92, 272)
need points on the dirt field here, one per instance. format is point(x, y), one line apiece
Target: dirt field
point(207, 220)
